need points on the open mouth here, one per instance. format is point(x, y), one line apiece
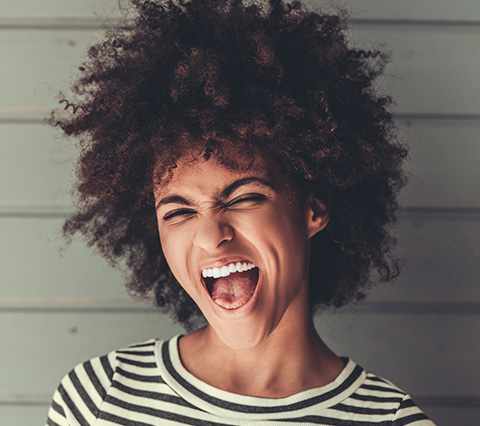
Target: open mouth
point(234, 290)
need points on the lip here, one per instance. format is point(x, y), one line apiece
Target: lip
point(240, 312)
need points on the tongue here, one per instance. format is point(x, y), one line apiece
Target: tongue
point(234, 291)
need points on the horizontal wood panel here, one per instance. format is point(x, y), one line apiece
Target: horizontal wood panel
point(443, 165)
point(432, 70)
point(420, 77)
point(442, 254)
point(34, 265)
point(58, 8)
point(410, 350)
point(39, 64)
point(423, 354)
point(451, 416)
point(21, 415)
point(36, 165)
point(442, 260)
point(62, 340)
point(464, 10)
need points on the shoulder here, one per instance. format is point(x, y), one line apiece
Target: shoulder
point(82, 391)
point(382, 396)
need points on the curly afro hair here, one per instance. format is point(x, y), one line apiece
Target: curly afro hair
point(268, 77)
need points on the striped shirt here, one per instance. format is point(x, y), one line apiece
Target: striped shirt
point(146, 384)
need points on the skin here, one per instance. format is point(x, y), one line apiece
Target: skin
point(209, 216)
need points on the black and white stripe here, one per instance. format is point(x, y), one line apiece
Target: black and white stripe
point(146, 385)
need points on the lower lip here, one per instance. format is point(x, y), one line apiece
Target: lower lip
point(241, 311)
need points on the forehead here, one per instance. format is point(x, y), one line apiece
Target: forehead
point(194, 171)
point(211, 177)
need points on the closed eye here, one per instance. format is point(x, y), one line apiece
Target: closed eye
point(245, 199)
point(177, 213)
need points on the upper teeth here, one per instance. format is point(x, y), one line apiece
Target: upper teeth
point(226, 270)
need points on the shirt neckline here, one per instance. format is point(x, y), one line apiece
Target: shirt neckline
point(227, 404)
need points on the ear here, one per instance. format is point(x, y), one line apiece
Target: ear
point(317, 216)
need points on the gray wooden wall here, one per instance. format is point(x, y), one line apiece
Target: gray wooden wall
point(58, 308)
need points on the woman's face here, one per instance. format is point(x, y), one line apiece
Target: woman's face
point(238, 246)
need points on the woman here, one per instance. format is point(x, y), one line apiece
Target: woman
point(238, 160)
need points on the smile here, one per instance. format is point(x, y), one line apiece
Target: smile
point(232, 285)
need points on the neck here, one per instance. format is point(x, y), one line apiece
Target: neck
point(292, 359)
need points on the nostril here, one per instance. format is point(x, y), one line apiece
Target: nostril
point(225, 240)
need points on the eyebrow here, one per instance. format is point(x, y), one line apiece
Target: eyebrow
point(226, 192)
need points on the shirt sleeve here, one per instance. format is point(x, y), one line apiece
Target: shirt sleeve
point(81, 393)
point(408, 413)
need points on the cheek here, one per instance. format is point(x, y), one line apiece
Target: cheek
point(176, 260)
point(176, 249)
point(288, 225)
point(171, 250)
point(290, 242)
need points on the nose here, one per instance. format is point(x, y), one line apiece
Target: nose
point(210, 233)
